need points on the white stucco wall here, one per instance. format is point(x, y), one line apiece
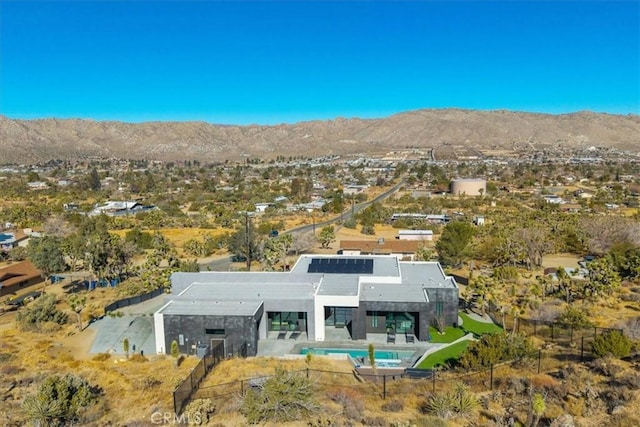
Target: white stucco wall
point(322, 301)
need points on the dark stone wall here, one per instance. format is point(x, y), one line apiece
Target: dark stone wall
point(449, 298)
point(238, 331)
point(426, 312)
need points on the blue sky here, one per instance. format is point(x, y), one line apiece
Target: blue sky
point(272, 62)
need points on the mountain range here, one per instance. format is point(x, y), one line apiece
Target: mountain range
point(448, 132)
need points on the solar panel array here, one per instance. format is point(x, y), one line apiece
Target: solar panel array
point(341, 266)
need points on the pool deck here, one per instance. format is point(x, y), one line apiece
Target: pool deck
point(340, 338)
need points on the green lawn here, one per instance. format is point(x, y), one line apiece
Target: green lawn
point(441, 356)
point(450, 334)
point(478, 328)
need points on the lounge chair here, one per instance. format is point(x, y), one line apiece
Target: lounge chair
point(410, 337)
point(391, 337)
point(283, 333)
point(294, 335)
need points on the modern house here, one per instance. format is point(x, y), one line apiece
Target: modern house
point(364, 294)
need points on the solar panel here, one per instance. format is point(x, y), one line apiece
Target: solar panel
point(341, 266)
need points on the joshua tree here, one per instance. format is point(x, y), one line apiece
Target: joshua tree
point(372, 357)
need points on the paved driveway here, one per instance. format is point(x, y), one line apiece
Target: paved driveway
point(136, 324)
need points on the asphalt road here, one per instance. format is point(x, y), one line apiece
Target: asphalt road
point(348, 214)
point(224, 264)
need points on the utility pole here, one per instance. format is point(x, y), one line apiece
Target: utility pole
point(248, 239)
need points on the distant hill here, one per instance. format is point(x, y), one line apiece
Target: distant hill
point(448, 131)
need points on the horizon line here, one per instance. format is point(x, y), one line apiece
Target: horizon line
point(379, 116)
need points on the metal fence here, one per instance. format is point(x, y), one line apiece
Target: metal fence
point(185, 390)
point(125, 302)
point(565, 344)
point(499, 376)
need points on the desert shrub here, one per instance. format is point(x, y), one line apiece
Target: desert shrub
point(149, 383)
point(138, 358)
point(393, 406)
point(605, 366)
point(283, 397)
point(8, 370)
point(506, 272)
point(43, 310)
point(101, 357)
point(60, 401)
point(429, 421)
point(494, 348)
point(199, 411)
point(616, 397)
point(350, 223)
point(623, 420)
point(375, 422)
point(351, 401)
point(574, 316)
point(460, 403)
point(630, 297)
point(630, 380)
point(5, 357)
point(612, 343)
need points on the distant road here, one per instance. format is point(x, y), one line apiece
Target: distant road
point(224, 264)
point(347, 214)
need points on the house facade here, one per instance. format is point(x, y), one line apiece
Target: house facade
point(19, 276)
point(364, 294)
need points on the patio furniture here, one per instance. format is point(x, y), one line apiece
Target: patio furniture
point(411, 339)
point(283, 332)
point(296, 332)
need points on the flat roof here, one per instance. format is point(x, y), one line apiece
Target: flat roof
point(426, 274)
point(339, 284)
point(382, 265)
point(392, 280)
point(392, 292)
point(211, 308)
point(242, 291)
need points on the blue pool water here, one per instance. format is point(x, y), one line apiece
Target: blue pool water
point(357, 353)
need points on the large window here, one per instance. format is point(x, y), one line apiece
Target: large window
point(286, 320)
point(439, 308)
point(399, 322)
point(337, 316)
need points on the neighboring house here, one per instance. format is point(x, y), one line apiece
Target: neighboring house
point(364, 294)
point(118, 208)
point(19, 276)
point(429, 218)
point(571, 207)
point(415, 235)
point(403, 249)
point(354, 189)
point(311, 206)
point(553, 199)
point(478, 220)
point(12, 240)
point(37, 185)
point(261, 207)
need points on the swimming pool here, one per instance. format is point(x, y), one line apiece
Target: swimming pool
point(358, 353)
